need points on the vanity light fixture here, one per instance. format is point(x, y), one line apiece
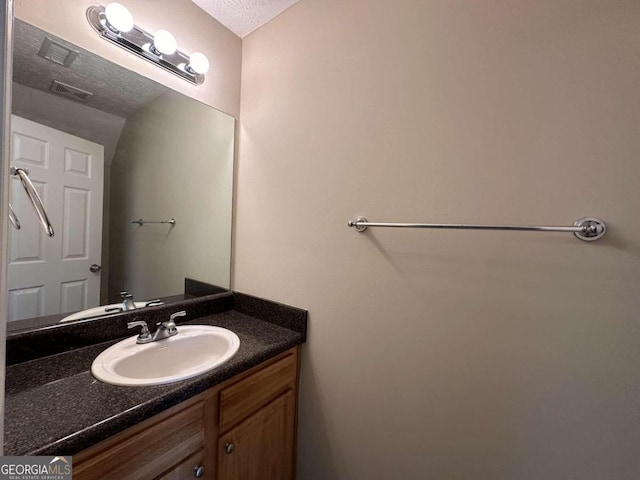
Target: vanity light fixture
point(198, 64)
point(164, 43)
point(119, 19)
point(115, 24)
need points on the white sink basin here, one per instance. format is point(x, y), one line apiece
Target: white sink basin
point(97, 311)
point(194, 350)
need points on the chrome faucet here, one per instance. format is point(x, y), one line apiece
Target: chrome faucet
point(165, 329)
point(145, 335)
point(127, 301)
point(129, 304)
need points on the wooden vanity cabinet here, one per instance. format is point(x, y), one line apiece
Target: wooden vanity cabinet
point(243, 429)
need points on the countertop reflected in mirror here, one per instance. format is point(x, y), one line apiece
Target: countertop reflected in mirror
point(192, 289)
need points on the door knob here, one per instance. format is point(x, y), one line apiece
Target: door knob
point(95, 268)
point(229, 448)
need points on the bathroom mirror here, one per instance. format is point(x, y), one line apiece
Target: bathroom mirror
point(106, 147)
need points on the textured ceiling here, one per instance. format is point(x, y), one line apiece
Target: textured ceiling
point(244, 16)
point(115, 89)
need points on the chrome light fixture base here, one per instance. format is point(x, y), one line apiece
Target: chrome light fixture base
point(140, 42)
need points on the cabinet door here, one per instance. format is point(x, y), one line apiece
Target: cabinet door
point(261, 447)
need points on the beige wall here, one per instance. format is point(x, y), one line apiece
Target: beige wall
point(174, 160)
point(448, 354)
point(194, 30)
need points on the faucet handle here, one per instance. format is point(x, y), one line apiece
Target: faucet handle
point(170, 325)
point(144, 333)
point(177, 314)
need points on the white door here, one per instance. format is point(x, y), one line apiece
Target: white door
point(51, 275)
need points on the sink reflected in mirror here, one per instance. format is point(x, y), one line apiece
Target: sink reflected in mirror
point(194, 350)
point(103, 310)
point(192, 289)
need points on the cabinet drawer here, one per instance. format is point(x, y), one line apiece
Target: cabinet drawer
point(189, 467)
point(245, 397)
point(149, 452)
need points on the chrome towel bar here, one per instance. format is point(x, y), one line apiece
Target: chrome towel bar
point(13, 218)
point(23, 175)
point(141, 222)
point(587, 228)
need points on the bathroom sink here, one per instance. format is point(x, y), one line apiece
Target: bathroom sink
point(194, 350)
point(97, 311)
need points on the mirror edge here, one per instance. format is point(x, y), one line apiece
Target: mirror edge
point(6, 54)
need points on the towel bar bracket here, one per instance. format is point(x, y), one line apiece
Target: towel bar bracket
point(593, 229)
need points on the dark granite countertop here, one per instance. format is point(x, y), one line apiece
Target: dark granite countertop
point(54, 406)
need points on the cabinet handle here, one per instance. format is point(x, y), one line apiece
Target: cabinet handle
point(229, 448)
point(198, 471)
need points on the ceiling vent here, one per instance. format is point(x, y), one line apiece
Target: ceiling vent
point(57, 53)
point(68, 91)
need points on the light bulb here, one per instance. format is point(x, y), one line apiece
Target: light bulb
point(119, 17)
point(164, 42)
point(198, 63)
